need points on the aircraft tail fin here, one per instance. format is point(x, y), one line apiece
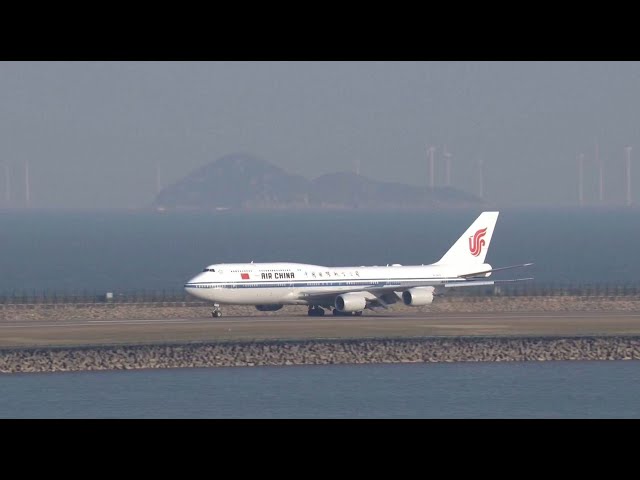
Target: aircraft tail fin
point(471, 248)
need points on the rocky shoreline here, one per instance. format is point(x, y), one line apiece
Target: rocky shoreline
point(318, 352)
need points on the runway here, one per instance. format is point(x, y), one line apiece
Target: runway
point(292, 327)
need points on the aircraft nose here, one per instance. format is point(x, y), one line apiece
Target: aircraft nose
point(191, 285)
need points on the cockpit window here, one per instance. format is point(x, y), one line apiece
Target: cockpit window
point(209, 270)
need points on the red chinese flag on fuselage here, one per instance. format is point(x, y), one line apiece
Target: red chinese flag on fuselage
point(245, 276)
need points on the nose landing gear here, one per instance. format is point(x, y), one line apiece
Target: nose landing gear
point(216, 312)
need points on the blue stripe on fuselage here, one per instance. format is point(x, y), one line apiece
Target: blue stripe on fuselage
point(314, 283)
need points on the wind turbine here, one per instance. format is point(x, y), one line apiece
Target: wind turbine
point(628, 152)
point(430, 150)
point(447, 155)
point(580, 179)
point(480, 177)
point(27, 190)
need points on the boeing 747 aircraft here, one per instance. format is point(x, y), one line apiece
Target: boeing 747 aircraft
point(350, 290)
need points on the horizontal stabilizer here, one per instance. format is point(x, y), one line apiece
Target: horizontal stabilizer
point(469, 284)
point(480, 283)
point(467, 275)
point(513, 280)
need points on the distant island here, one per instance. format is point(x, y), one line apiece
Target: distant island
point(241, 181)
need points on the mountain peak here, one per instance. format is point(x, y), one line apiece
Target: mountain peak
point(241, 180)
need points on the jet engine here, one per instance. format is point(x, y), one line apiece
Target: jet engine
point(269, 308)
point(350, 302)
point(418, 296)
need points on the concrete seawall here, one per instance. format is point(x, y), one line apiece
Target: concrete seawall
point(319, 352)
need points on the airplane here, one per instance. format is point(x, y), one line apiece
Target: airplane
point(351, 290)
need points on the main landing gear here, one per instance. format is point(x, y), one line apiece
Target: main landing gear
point(216, 312)
point(319, 311)
point(315, 311)
point(337, 313)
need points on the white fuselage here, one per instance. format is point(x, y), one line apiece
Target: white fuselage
point(288, 283)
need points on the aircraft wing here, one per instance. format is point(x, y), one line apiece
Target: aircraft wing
point(374, 291)
point(375, 297)
point(389, 294)
point(445, 284)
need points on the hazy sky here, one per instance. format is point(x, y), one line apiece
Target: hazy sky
point(93, 132)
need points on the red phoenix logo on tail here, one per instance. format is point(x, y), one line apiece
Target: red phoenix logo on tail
point(476, 242)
